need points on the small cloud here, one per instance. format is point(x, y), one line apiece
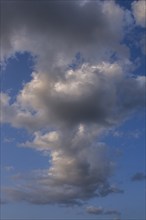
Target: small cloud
point(139, 176)
point(117, 134)
point(117, 218)
point(100, 211)
point(139, 12)
point(112, 212)
point(127, 134)
point(8, 168)
point(135, 134)
point(95, 210)
point(105, 190)
point(8, 140)
point(3, 202)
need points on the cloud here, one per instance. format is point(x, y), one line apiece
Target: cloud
point(101, 211)
point(139, 8)
point(66, 123)
point(112, 212)
point(56, 31)
point(99, 94)
point(79, 170)
point(138, 177)
point(8, 140)
point(3, 202)
point(94, 210)
point(142, 44)
point(128, 134)
point(8, 168)
point(67, 109)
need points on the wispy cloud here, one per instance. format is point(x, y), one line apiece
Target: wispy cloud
point(94, 210)
point(139, 176)
point(9, 168)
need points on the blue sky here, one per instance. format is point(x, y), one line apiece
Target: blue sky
point(73, 110)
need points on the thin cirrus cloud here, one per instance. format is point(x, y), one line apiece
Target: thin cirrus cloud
point(73, 106)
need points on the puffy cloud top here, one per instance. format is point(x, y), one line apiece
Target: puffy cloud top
point(139, 11)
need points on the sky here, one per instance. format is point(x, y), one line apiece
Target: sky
point(73, 109)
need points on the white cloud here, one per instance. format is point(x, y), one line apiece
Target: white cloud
point(101, 211)
point(95, 210)
point(139, 12)
point(8, 168)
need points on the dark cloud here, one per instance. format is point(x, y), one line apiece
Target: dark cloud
point(139, 176)
point(47, 28)
point(104, 190)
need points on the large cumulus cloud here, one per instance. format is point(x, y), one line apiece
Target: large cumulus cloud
point(100, 94)
point(55, 31)
point(67, 109)
point(74, 110)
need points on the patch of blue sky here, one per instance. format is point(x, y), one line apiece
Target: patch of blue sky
point(77, 61)
point(125, 4)
point(136, 42)
point(13, 154)
point(127, 145)
point(16, 73)
point(29, 211)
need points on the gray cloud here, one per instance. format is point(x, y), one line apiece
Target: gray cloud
point(55, 31)
point(3, 202)
point(99, 94)
point(107, 189)
point(112, 212)
point(79, 170)
point(139, 176)
point(80, 167)
point(95, 210)
point(67, 109)
point(101, 211)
